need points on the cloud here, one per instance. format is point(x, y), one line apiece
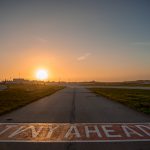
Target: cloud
point(41, 39)
point(83, 57)
point(142, 43)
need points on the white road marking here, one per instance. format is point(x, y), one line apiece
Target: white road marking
point(129, 131)
point(75, 132)
point(88, 131)
point(78, 132)
point(109, 132)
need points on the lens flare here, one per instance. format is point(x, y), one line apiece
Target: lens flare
point(42, 74)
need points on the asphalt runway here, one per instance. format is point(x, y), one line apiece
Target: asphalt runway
point(75, 104)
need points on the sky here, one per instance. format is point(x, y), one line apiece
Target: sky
point(75, 40)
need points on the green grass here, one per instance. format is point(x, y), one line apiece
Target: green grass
point(137, 99)
point(114, 84)
point(19, 95)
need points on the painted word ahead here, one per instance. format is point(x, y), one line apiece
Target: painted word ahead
point(80, 132)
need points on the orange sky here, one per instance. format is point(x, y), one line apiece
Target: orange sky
point(75, 40)
point(67, 67)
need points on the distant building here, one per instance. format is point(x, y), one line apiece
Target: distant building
point(20, 81)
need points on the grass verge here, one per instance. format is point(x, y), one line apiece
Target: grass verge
point(137, 99)
point(16, 96)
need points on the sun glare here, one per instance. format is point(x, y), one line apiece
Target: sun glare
point(42, 74)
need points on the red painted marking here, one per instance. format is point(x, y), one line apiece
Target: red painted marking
point(80, 132)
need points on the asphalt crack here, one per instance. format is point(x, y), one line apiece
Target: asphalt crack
point(71, 146)
point(72, 115)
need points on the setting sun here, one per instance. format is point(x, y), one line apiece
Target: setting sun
point(41, 74)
